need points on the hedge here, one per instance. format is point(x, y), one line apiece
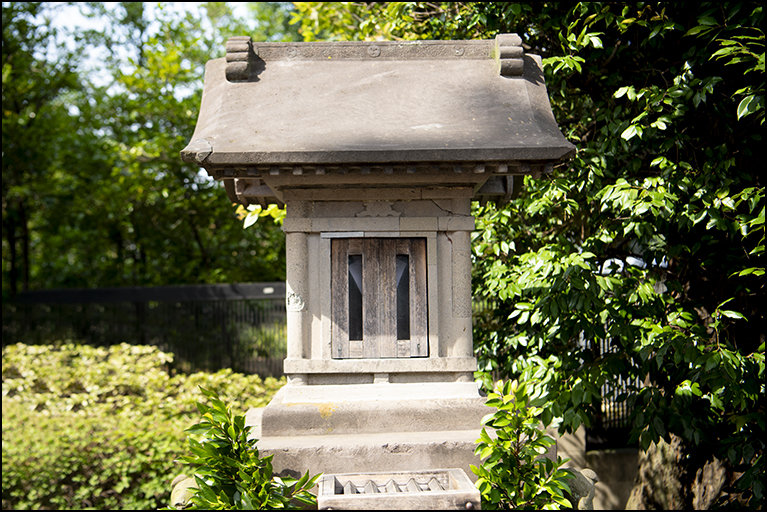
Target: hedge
point(101, 428)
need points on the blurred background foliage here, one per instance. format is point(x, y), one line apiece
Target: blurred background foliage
point(94, 192)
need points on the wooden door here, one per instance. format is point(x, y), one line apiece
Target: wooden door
point(379, 298)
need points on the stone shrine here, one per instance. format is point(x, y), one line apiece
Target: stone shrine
point(377, 150)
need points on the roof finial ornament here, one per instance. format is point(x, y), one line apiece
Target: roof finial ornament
point(510, 54)
point(238, 51)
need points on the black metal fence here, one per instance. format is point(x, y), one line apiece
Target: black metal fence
point(612, 425)
point(206, 327)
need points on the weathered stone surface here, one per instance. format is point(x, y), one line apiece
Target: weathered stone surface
point(373, 408)
point(382, 452)
point(582, 489)
point(300, 107)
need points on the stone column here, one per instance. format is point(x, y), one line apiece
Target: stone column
point(461, 263)
point(297, 284)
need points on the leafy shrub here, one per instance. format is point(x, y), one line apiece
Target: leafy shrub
point(228, 470)
point(87, 427)
point(514, 475)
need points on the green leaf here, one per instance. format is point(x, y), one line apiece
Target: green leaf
point(748, 105)
point(645, 440)
point(501, 421)
point(546, 417)
point(631, 132)
point(700, 29)
point(208, 393)
point(487, 418)
point(199, 429)
point(732, 314)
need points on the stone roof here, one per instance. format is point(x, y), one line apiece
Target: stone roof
point(269, 108)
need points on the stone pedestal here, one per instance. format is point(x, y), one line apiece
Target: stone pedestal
point(371, 427)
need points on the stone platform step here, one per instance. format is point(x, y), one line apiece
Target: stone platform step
point(361, 453)
point(350, 453)
point(370, 409)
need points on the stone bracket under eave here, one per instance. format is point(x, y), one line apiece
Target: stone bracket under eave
point(490, 181)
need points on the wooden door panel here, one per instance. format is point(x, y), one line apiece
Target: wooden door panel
point(379, 299)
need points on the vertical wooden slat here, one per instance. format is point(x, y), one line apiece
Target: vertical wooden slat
point(387, 342)
point(371, 295)
point(355, 349)
point(339, 255)
point(419, 344)
point(403, 246)
point(355, 245)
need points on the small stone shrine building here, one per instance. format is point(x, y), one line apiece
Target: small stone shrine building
point(377, 150)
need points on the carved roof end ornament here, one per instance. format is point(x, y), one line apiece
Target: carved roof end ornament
point(238, 53)
point(510, 54)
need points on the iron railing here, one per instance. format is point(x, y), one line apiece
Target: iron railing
point(612, 424)
point(206, 327)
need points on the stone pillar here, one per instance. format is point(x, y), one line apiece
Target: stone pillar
point(461, 263)
point(297, 284)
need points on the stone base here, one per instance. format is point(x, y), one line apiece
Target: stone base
point(364, 453)
point(370, 428)
point(372, 409)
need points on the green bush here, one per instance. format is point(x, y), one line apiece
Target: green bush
point(228, 471)
point(515, 474)
point(87, 427)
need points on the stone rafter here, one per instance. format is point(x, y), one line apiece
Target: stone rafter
point(517, 168)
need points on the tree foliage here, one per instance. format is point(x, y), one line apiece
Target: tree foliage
point(650, 240)
point(94, 192)
point(513, 475)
